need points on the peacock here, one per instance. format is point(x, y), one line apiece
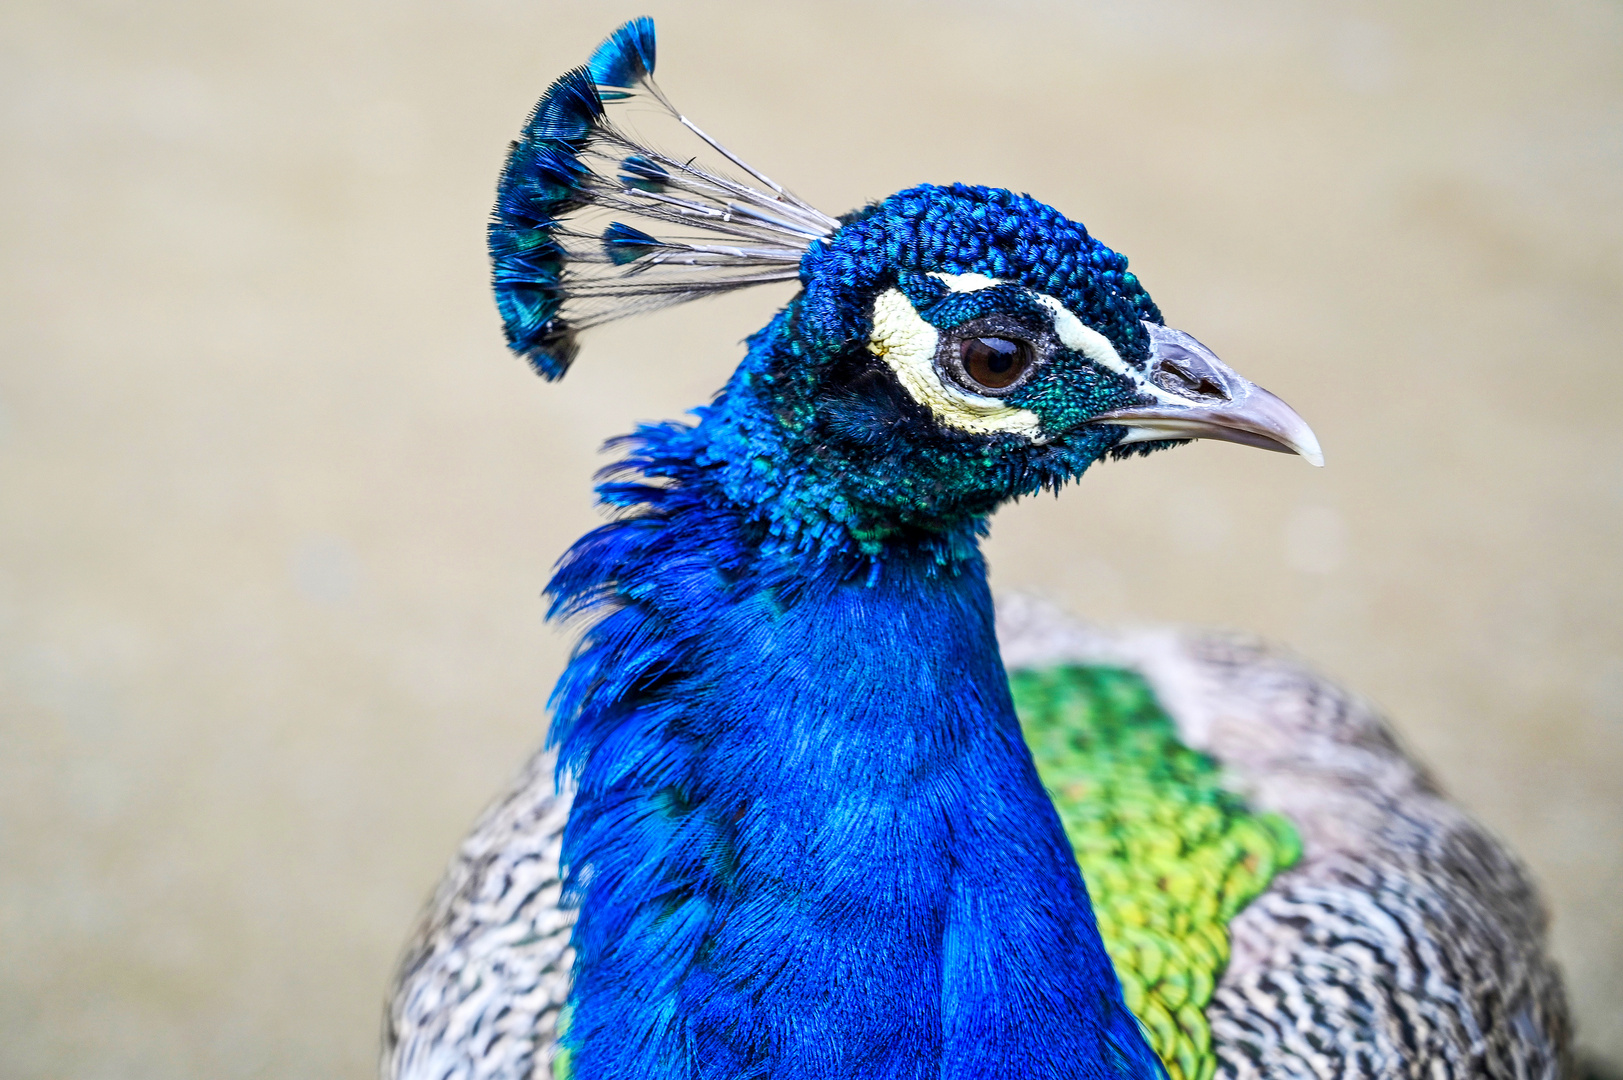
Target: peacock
point(811, 805)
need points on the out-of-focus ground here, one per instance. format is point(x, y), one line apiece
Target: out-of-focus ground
point(275, 505)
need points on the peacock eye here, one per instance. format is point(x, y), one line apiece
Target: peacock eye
point(994, 363)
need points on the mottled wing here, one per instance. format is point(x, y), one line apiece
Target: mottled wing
point(480, 989)
point(1406, 941)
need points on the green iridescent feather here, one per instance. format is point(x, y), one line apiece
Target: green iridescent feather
point(1169, 855)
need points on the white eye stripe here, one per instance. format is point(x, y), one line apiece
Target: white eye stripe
point(967, 282)
point(1072, 332)
point(908, 344)
point(1079, 337)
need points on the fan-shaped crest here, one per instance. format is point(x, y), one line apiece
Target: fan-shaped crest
point(592, 224)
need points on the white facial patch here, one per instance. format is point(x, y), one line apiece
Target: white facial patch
point(908, 344)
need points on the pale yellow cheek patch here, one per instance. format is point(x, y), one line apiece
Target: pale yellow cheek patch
point(907, 344)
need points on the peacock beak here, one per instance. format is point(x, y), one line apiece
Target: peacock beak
point(1200, 397)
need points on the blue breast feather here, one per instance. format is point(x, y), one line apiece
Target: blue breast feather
point(808, 839)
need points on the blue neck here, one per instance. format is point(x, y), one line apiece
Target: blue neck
point(808, 839)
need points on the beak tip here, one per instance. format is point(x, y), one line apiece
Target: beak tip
point(1308, 449)
point(1247, 413)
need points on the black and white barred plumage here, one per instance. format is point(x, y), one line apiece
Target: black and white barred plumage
point(482, 982)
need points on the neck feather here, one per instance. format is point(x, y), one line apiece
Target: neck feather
point(808, 839)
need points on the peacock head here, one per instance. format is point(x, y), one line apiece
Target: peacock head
point(950, 348)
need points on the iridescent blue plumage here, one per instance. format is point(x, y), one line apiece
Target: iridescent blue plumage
point(807, 838)
point(626, 245)
point(626, 58)
point(541, 182)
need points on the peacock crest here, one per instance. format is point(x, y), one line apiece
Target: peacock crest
point(593, 223)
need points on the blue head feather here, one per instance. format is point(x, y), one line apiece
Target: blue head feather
point(627, 57)
point(858, 463)
point(965, 228)
point(625, 244)
point(637, 171)
point(541, 181)
point(807, 839)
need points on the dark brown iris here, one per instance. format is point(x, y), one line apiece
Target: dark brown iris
point(993, 362)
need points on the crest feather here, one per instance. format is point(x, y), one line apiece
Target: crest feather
point(592, 224)
point(627, 57)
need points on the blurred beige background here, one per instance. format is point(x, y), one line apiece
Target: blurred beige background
point(277, 505)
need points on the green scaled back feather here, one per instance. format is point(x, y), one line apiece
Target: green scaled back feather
point(1168, 854)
